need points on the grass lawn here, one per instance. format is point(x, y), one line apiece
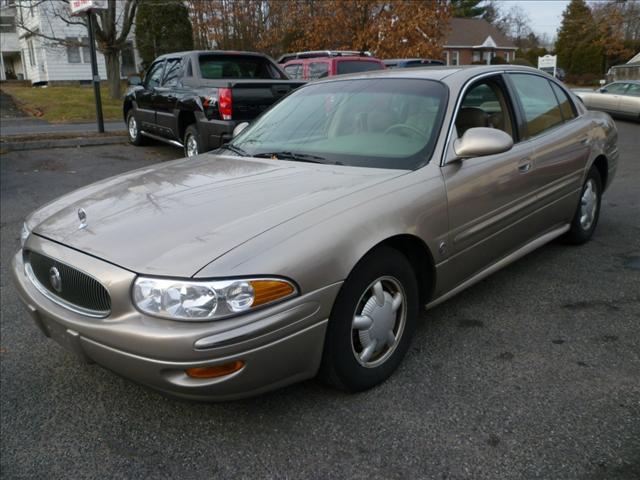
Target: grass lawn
point(72, 103)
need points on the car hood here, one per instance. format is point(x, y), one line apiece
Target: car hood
point(174, 218)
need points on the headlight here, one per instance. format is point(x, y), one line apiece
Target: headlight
point(206, 300)
point(24, 234)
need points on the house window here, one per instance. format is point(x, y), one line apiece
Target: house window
point(476, 56)
point(455, 58)
point(86, 52)
point(7, 24)
point(73, 51)
point(506, 57)
point(128, 63)
point(78, 50)
point(32, 53)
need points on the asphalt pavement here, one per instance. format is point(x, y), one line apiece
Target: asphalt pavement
point(532, 373)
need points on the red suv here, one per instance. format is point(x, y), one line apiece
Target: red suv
point(312, 65)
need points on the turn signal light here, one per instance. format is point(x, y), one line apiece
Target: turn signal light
point(266, 291)
point(215, 370)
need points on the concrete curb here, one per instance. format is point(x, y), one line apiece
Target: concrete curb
point(12, 146)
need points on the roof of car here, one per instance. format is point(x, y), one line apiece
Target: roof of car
point(210, 52)
point(436, 72)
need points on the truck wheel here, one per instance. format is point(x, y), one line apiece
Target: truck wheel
point(133, 129)
point(191, 141)
point(371, 323)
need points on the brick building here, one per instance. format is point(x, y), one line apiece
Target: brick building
point(476, 40)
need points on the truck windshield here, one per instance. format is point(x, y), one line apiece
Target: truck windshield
point(376, 122)
point(213, 67)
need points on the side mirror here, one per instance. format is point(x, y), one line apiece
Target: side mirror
point(481, 141)
point(239, 128)
point(602, 90)
point(134, 81)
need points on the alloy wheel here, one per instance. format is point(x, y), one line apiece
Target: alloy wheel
point(133, 127)
point(192, 146)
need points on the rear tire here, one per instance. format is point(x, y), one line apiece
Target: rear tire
point(586, 217)
point(133, 129)
point(372, 322)
point(191, 142)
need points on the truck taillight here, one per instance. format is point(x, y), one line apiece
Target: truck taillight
point(225, 103)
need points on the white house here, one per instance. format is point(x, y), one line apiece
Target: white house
point(30, 56)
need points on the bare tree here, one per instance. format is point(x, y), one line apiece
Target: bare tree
point(112, 27)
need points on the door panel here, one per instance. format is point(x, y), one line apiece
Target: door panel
point(144, 97)
point(165, 98)
point(489, 199)
point(559, 142)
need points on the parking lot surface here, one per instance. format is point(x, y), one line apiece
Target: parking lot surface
point(532, 373)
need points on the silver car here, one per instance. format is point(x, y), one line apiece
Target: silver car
point(310, 244)
point(621, 99)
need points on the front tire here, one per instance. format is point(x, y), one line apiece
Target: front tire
point(372, 322)
point(133, 129)
point(586, 217)
point(191, 141)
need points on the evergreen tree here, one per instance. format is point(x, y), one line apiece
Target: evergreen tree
point(162, 26)
point(467, 8)
point(576, 45)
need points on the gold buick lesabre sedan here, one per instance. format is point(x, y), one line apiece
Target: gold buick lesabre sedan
point(310, 244)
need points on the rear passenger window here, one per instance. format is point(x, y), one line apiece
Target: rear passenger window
point(633, 90)
point(294, 71)
point(566, 106)
point(355, 66)
point(541, 109)
point(318, 70)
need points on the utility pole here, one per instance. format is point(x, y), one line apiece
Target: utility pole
point(94, 72)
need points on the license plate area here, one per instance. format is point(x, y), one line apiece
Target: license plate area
point(65, 337)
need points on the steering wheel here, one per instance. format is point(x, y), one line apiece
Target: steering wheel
point(406, 128)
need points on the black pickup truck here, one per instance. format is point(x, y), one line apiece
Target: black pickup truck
point(195, 99)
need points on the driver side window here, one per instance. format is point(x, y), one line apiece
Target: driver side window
point(153, 76)
point(484, 105)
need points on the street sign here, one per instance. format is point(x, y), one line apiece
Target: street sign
point(82, 6)
point(86, 8)
point(548, 61)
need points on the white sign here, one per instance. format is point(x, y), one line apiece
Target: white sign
point(548, 61)
point(82, 6)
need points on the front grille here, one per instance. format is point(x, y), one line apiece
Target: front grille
point(76, 289)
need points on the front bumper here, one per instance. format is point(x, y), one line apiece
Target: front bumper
point(279, 345)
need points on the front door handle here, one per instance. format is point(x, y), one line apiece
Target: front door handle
point(524, 167)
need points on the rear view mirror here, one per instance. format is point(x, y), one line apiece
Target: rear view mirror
point(239, 128)
point(481, 141)
point(134, 81)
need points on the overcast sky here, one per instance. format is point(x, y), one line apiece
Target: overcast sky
point(545, 15)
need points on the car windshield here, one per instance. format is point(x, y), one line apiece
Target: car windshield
point(213, 67)
point(377, 122)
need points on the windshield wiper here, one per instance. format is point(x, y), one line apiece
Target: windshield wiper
point(235, 149)
point(299, 157)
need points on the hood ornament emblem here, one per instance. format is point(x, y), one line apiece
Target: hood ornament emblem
point(82, 215)
point(55, 279)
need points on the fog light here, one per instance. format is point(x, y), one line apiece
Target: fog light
point(215, 370)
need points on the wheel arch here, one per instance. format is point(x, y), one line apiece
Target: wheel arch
point(128, 105)
point(420, 258)
point(185, 118)
point(602, 164)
